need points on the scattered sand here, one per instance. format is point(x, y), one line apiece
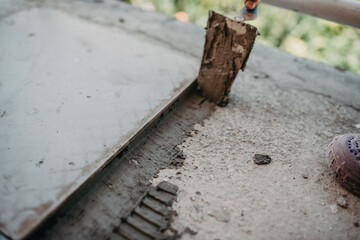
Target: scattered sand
point(224, 195)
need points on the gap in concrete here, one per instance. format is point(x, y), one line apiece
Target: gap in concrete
point(94, 211)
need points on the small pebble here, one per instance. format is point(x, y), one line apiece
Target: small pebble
point(305, 175)
point(342, 202)
point(219, 213)
point(261, 159)
point(190, 231)
point(333, 208)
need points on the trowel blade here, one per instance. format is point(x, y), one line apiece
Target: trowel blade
point(246, 14)
point(228, 44)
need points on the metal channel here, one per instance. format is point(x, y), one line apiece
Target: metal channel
point(341, 11)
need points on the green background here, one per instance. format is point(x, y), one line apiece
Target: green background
point(299, 34)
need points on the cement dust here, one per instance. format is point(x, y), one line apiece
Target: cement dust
point(224, 195)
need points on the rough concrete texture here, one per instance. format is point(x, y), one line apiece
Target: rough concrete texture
point(283, 106)
point(224, 195)
point(98, 208)
point(65, 90)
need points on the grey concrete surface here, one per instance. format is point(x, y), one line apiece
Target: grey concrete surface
point(225, 195)
point(97, 210)
point(290, 109)
point(284, 106)
point(189, 39)
point(73, 94)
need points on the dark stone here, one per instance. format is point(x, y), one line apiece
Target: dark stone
point(190, 231)
point(261, 159)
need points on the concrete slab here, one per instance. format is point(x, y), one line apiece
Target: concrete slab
point(282, 105)
point(72, 94)
point(290, 109)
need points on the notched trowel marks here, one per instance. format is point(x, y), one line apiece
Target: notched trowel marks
point(227, 47)
point(151, 216)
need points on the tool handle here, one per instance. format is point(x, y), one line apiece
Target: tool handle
point(251, 4)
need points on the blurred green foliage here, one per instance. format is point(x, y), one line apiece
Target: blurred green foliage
point(299, 34)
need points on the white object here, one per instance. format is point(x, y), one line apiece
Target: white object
point(341, 11)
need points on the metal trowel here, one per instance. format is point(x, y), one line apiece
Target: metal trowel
point(228, 44)
point(246, 14)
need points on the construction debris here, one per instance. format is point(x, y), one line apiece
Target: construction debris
point(342, 202)
point(261, 159)
point(151, 217)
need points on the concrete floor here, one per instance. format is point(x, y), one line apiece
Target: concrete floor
point(283, 106)
point(290, 109)
point(224, 195)
point(73, 94)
